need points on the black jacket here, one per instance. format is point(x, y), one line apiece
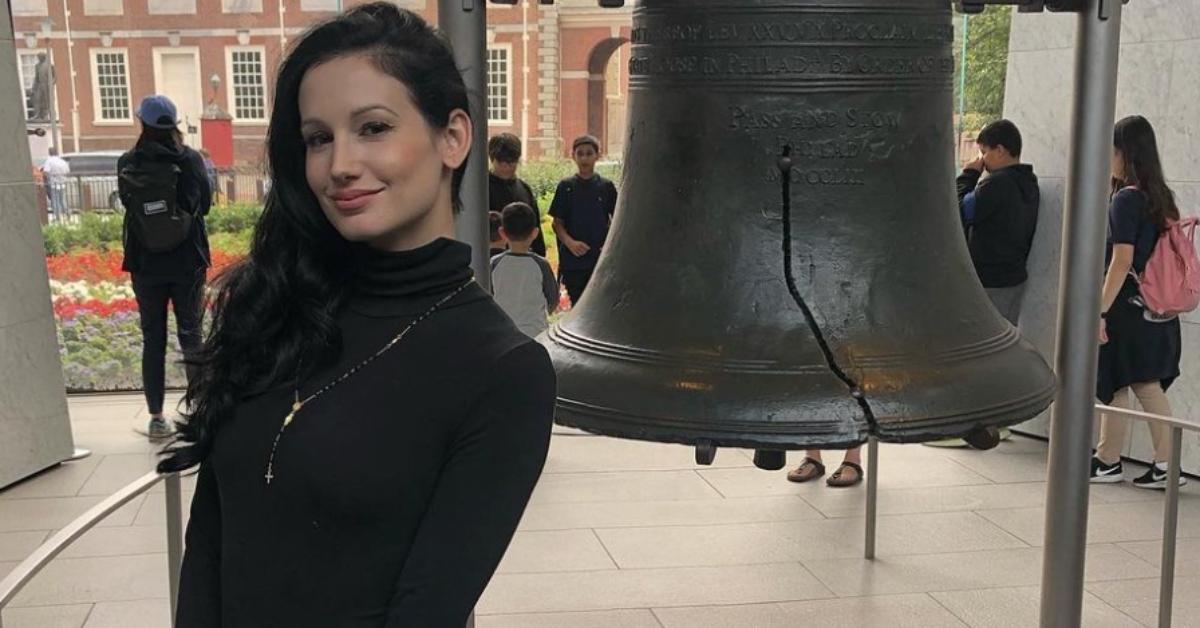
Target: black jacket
point(501, 192)
point(1000, 233)
point(194, 197)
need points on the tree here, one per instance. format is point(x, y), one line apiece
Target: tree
point(987, 64)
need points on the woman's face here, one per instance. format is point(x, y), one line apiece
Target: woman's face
point(380, 172)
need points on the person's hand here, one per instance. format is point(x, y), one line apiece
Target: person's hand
point(975, 164)
point(577, 248)
point(1103, 332)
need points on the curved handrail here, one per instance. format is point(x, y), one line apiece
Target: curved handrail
point(1166, 585)
point(12, 584)
point(16, 580)
point(1169, 421)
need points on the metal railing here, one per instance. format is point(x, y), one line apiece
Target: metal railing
point(14, 582)
point(98, 193)
point(1166, 590)
point(1166, 587)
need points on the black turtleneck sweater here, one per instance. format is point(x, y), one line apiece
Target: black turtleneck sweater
point(395, 493)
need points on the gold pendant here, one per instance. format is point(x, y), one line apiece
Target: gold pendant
point(291, 415)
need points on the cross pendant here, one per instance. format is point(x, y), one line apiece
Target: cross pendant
point(291, 415)
point(270, 476)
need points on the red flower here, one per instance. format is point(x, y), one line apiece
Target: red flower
point(66, 307)
point(97, 266)
point(91, 266)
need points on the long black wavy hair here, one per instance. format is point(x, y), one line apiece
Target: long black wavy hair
point(276, 310)
point(1134, 138)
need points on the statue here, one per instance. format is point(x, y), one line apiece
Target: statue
point(43, 90)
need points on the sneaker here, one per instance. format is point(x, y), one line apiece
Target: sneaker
point(1155, 477)
point(158, 429)
point(1107, 473)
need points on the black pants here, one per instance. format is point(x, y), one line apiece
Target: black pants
point(575, 281)
point(185, 293)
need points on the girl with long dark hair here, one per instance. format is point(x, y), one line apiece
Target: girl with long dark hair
point(1140, 352)
point(161, 166)
point(369, 425)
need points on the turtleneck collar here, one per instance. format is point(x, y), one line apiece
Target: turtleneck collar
point(398, 283)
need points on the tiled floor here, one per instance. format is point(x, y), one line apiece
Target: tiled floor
point(622, 534)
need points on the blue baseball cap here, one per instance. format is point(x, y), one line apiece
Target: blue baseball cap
point(158, 112)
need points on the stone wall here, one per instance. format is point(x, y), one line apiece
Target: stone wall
point(35, 431)
point(1160, 79)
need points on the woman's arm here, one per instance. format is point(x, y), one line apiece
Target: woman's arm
point(1118, 269)
point(200, 577)
point(491, 468)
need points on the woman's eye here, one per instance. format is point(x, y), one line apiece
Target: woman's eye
point(375, 128)
point(316, 139)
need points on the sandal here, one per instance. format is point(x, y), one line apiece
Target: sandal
point(839, 479)
point(808, 470)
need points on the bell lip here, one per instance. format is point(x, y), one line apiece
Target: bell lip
point(559, 336)
point(838, 434)
point(720, 440)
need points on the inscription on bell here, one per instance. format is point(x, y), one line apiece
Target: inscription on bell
point(647, 63)
point(746, 118)
point(796, 31)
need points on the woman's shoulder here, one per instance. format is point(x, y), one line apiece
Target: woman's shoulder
point(1128, 200)
point(484, 327)
point(1129, 194)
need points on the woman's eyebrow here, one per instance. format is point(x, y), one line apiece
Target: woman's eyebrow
point(368, 108)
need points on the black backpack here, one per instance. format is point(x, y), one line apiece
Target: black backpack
point(149, 190)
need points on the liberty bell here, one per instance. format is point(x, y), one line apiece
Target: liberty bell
point(786, 268)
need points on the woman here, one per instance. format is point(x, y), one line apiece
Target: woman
point(167, 262)
point(1141, 352)
point(369, 425)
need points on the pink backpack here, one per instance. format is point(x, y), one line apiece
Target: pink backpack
point(1170, 284)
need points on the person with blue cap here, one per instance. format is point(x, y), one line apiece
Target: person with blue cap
point(166, 194)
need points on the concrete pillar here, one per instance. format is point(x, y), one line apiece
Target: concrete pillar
point(35, 429)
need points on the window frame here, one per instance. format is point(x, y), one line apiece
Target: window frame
point(21, 54)
point(98, 118)
point(508, 85)
point(230, 88)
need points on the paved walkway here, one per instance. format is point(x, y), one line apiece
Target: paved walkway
point(623, 534)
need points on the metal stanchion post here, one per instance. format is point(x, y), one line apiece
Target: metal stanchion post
point(872, 495)
point(174, 499)
point(1096, 51)
point(465, 23)
point(1166, 587)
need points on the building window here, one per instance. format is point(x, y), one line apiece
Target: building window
point(110, 88)
point(320, 6)
point(247, 87)
point(241, 6)
point(103, 7)
point(28, 70)
point(499, 77)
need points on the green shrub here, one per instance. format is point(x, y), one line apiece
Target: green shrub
point(232, 218)
point(543, 176)
point(103, 232)
point(237, 243)
point(93, 231)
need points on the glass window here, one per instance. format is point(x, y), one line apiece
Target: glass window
point(111, 90)
point(248, 91)
point(498, 96)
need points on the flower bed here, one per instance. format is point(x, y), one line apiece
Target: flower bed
point(99, 334)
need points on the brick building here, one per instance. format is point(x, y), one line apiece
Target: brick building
point(108, 54)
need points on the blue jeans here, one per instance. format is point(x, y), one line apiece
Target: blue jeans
point(58, 201)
